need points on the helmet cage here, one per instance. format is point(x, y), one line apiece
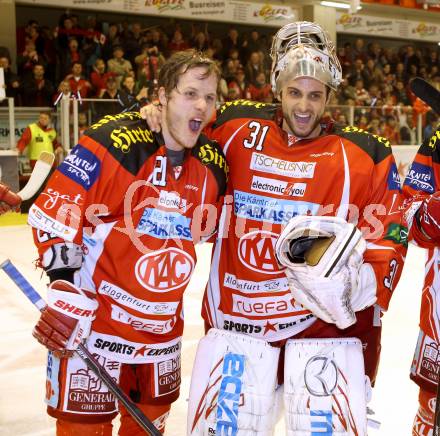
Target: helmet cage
point(304, 49)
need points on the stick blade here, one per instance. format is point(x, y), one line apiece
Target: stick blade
point(47, 157)
point(38, 176)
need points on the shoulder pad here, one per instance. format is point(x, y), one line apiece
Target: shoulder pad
point(431, 146)
point(232, 110)
point(377, 147)
point(126, 137)
point(210, 154)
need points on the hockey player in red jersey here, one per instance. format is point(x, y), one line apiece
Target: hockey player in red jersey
point(115, 228)
point(267, 294)
point(421, 188)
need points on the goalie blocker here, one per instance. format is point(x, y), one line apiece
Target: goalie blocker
point(234, 387)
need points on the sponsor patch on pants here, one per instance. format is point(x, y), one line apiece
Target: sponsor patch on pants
point(83, 392)
point(167, 376)
point(426, 361)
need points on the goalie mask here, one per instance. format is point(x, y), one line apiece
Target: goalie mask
point(304, 49)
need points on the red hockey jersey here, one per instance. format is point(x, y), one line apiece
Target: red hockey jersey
point(422, 180)
point(144, 217)
point(346, 172)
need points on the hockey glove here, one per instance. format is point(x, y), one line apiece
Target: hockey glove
point(8, 199)
point(323, 257)
point(427, 218)
point(67, 318)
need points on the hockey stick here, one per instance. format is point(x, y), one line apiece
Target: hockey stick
point(38, 176)
point(83, 353)
point(426, 92)
point(431, 96)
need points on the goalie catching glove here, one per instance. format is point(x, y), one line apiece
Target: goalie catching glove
point(67, 318)
point(323, 257)
point(427, 219)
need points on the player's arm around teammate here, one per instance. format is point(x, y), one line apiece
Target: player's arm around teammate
point(115, 232)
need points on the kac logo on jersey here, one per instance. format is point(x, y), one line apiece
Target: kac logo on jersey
point(81, 166)
point(393, 178)
point(229, 394)
point(256, 252)
point(164, 270)
point(420, 177)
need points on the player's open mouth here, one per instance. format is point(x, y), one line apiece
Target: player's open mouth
point(302, 118)
point(195, 124)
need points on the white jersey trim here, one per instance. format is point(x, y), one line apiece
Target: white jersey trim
point(95, 245)
point(345, 197)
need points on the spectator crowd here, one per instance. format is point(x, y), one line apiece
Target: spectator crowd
point(122, 64)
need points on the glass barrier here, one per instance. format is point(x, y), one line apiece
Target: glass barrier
point(87, 111)
point(399, 124)
point(13, 122)
point(16, 119)
point(72, 117)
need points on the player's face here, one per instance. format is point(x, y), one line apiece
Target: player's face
point(303, 101)
point(44, 120)
point(188, 108)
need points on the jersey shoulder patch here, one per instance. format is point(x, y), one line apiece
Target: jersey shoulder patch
point(210, 154)
point(377, 147)
point(431, 146)
point(236, 109)
point(126, 137)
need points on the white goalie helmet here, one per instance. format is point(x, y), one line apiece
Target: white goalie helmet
point(304, 49)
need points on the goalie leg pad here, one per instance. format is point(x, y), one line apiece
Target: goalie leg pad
point(233, 386)
point(324, 387)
